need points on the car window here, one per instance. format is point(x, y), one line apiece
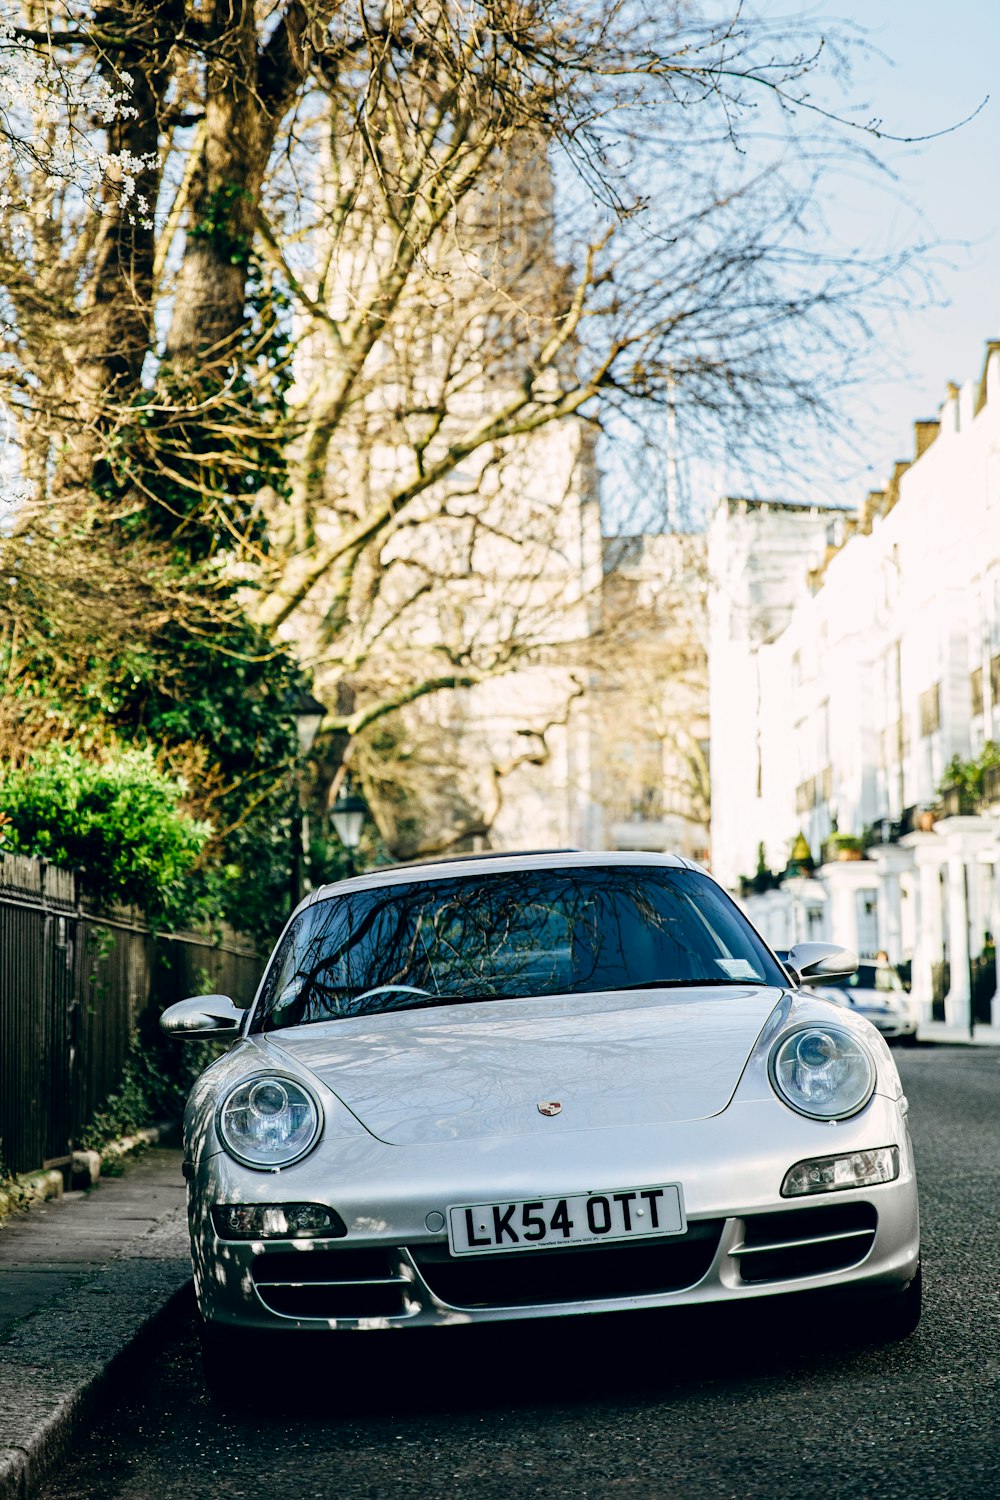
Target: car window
point(505, 935)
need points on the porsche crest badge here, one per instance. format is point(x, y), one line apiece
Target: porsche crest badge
point(549, 1107)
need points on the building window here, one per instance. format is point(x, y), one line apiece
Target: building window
point(893, 744)
point(995, 680)
point(805, 795)
point(976, 691)
point(930, 710)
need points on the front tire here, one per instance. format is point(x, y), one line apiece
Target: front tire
point(224, 1362)
point(236, 1361)
point(897, 1317)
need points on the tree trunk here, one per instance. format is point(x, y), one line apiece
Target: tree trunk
point(112, 338)
point(247, 91)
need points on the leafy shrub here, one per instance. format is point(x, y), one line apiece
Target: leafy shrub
point(12, 1194)
point(155, 1082)
point(968, 775)
point(119, 819)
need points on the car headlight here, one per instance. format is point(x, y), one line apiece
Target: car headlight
point(834, 1174)
point(822, 1072)
point(277, 1221)
point(269, 1121)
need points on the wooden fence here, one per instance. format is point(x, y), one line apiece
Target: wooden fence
point(75, 985)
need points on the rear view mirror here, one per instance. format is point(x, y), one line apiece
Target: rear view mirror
point(203, 1016)
point(815, 963)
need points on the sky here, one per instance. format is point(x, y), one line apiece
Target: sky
point(922, 68)
point(931, 66)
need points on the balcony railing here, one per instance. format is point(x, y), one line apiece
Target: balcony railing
point(885, 831)
point(991, 787)
point(891, 830)
point(955, 801)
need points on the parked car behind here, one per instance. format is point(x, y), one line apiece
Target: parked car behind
point(876, 992)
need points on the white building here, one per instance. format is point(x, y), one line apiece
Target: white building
point(649, 697)
point(843, 686)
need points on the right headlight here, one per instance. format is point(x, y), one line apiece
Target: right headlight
point(269, 1121)
point(822, 1072)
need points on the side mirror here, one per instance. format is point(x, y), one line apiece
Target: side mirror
point(814, 963)
point(204, 1016)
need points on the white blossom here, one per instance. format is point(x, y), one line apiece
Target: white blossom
point(48, 112)
point(14, 490)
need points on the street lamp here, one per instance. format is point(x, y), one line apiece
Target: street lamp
point(308, 714)
point(348, 815)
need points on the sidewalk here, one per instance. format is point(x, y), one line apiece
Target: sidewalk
point(937, 1031)
point(81, 1279)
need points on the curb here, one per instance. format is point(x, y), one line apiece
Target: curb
point(28, 1188)
point(58, 1365)
point(37, 1187)
point(151, 1136)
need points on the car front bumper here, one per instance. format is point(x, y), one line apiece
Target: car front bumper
point(891, 1024)
point(744, 1241)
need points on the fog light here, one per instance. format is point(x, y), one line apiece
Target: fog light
point(832, 1174)
point(277, 1221)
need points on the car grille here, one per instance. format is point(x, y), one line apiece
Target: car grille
point(532, 1278)
point(332, 1283)
point(805, 1242)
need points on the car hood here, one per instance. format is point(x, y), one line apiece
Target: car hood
point(477, 1071)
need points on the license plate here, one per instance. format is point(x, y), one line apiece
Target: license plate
point(582, 1219)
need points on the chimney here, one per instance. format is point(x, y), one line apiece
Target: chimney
point(924, 434)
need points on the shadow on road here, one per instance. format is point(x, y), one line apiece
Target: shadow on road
point(657, 1355)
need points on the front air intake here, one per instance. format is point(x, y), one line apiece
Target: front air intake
point(332, 1284)
point(805, 1242)
point(588, 1273)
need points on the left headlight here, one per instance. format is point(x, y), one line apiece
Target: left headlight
point(269, 1121)
point(822, 1072)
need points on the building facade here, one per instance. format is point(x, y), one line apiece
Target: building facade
point(648, 700)
point(855, 699)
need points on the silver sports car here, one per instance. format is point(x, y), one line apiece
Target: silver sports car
point(527, 1086)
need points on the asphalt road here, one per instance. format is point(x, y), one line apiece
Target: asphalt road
point(640, 1406)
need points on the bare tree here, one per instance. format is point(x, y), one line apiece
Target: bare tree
point(386, 252)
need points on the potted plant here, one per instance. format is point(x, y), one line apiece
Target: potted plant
point(843, 846)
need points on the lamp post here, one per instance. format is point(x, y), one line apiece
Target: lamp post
point(308, 714)
point(348, 815)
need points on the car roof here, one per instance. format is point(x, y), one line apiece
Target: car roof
point(469, 865)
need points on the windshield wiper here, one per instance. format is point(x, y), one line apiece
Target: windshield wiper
point(686, 984)
point(423, 1002)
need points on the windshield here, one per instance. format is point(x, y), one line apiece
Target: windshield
point(506, 935)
